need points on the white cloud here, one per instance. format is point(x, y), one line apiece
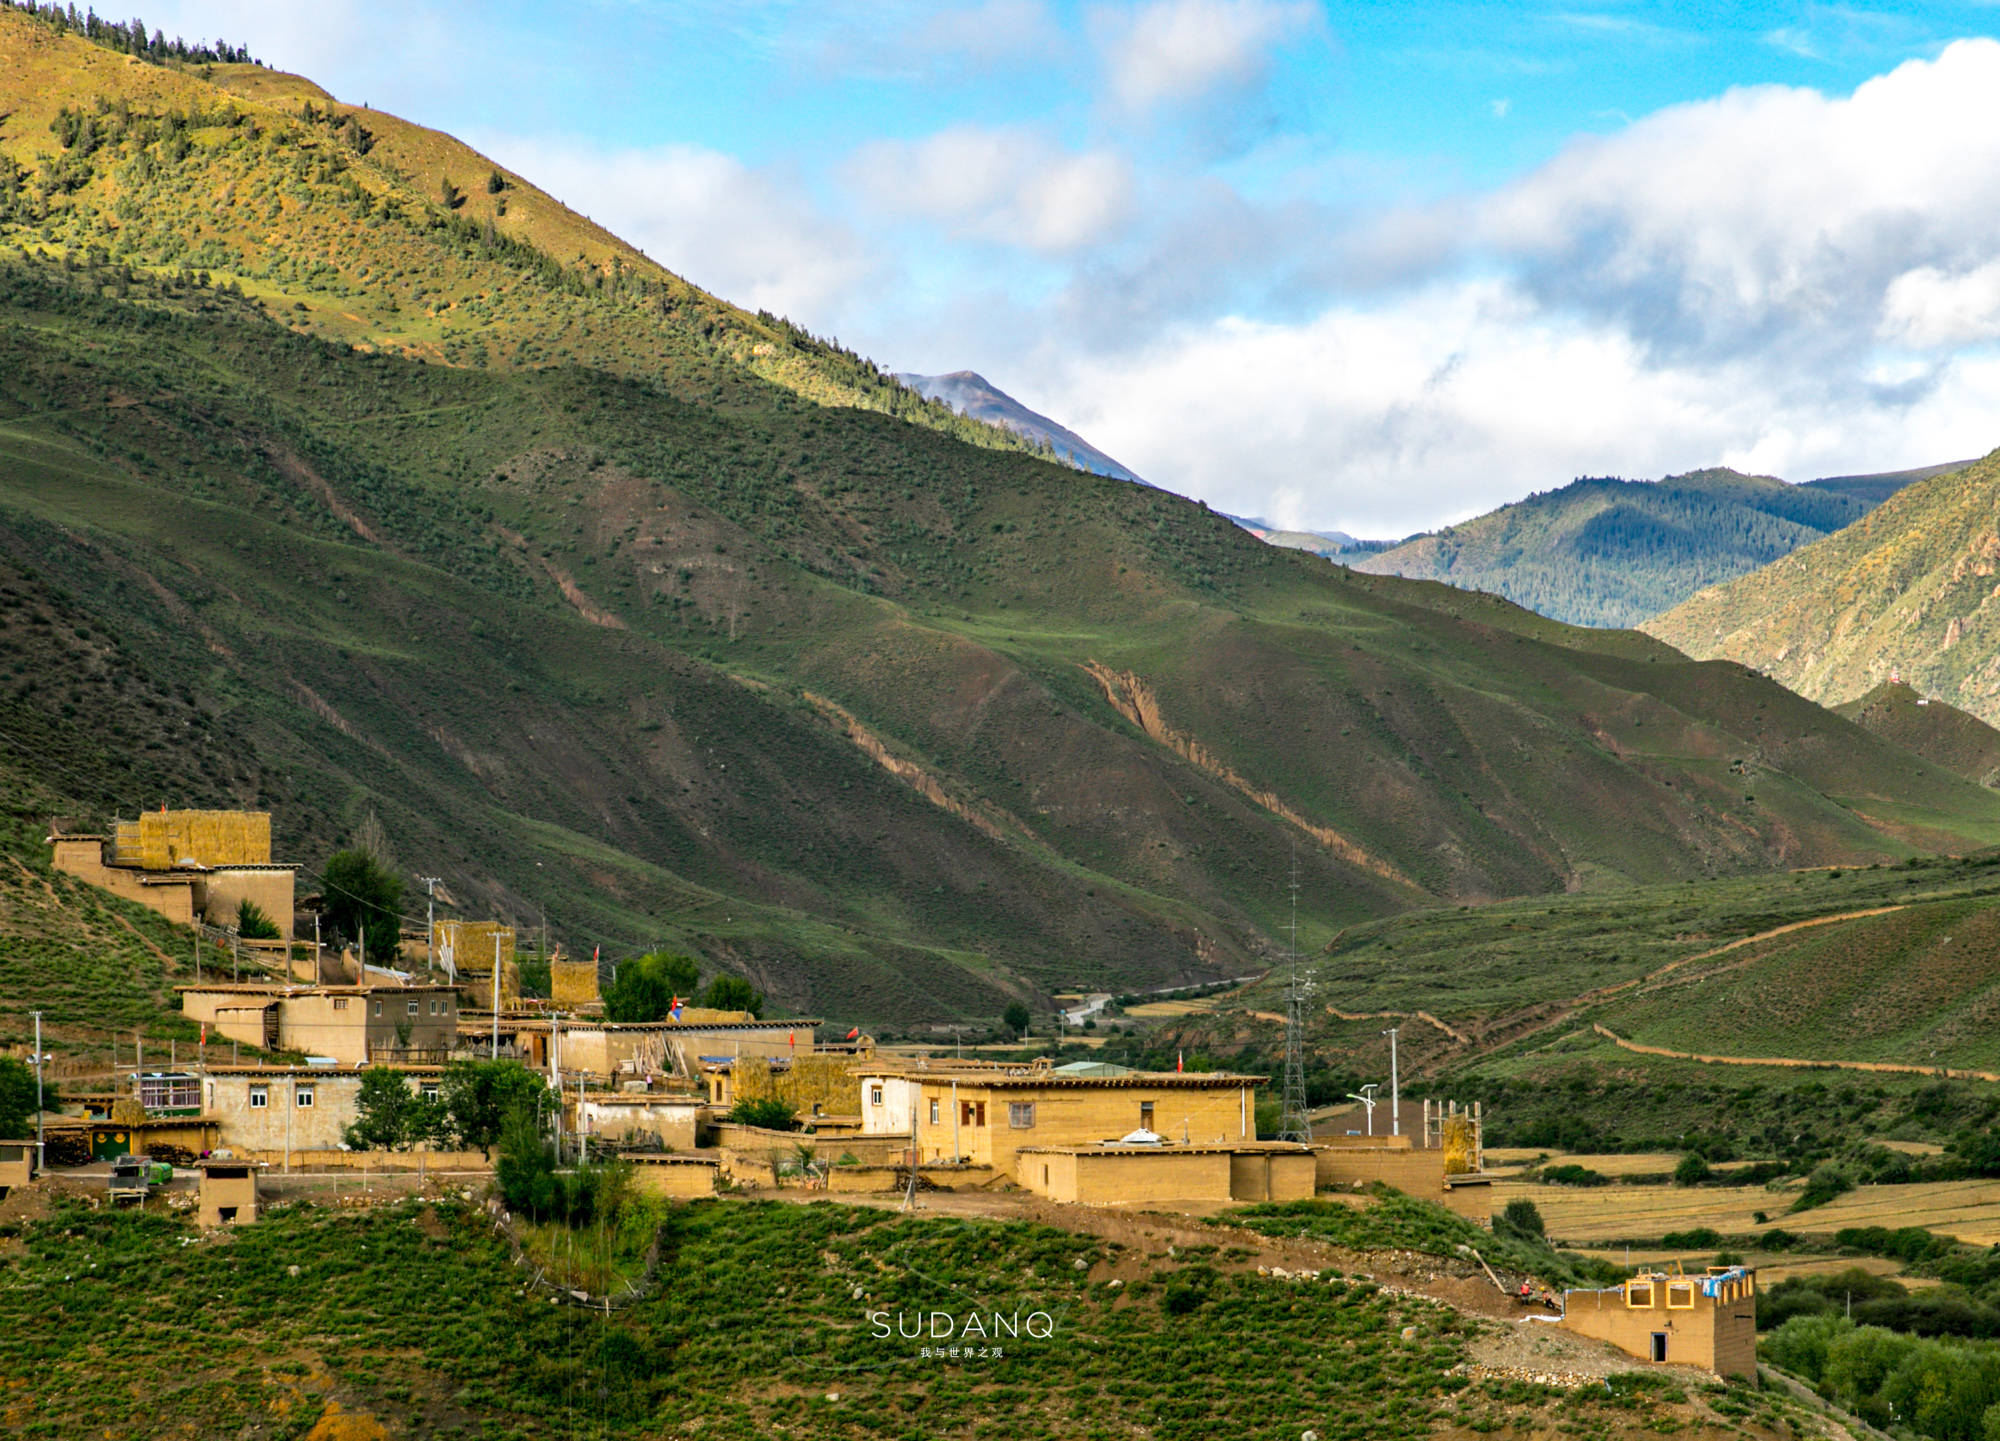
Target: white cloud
point(1009, 186)
point(1174, 51)
point(1927, 309)
point(1769, 216)
point(750, 236)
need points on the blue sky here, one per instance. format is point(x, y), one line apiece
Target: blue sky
point(1374, 266)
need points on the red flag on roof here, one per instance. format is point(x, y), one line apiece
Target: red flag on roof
point(595, 952)
point(1179, 1057)
point(853, 1033)
point(792, 1039)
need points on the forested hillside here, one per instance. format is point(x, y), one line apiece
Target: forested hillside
point(1611, 552)
point(1908, 592)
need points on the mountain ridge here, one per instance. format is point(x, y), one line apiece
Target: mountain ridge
point(1609, 551)
point(1907, 591)
point(972, 394)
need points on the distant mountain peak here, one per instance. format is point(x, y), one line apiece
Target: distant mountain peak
point(973, 395)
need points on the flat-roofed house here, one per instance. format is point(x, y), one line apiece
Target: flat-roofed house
point(355, 1025)
point(984, 1118)
point(185, 864)
point(1708, 1320)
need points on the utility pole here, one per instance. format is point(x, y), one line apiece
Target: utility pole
point(430, 926)
point(1294, 1123)
point(235, 958)
point(41, 1155)
point(1367, 1098)
point(495, 997)
point(1395, 1086)
point(319, 968)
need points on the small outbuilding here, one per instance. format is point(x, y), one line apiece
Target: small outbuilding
point(228, 1192)
point(1138, 1172)
point(17, 1165)
point(1708, 1321)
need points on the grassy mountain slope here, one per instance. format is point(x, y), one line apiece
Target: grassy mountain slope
point(1910, 589)
point(1612, 552)
point(358, 226)
point(898, 726)
point(1942, 734)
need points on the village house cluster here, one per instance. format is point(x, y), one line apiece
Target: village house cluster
point(289, 1033)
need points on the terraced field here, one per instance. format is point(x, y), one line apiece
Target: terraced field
point(1967, 1210)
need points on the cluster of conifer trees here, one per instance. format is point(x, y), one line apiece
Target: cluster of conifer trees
point(130, 36)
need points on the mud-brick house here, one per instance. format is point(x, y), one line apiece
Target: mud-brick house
point(1708, 1320)
point(187, 865)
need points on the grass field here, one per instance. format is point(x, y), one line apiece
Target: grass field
point(1966, 1210)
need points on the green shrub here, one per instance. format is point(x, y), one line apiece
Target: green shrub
point(253, 923)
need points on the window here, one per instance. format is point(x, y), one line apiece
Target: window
point(430, 1093)
point(1680, 1295)
point(340, 1003)
point(874, 1095)
point(378, 1008)
point(1021, 1115)
point(302, 1097)
point(437, 1008)
point(1145, 1115)
point(260, 1097)
point(934, 1113)
point(1639, 1295)
point(413, 1008)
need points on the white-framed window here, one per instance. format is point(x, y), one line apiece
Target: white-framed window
point(934, 1113)
point(260, 1097)
point(340, 1003)
point(378, 1008)
point(874, 1095)
point(1021, 1115)
point(413, 1007)
point(302, 1097)
point(430, 1092)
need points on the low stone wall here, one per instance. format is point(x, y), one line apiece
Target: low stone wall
point(376, 1161)
point(861, 1180)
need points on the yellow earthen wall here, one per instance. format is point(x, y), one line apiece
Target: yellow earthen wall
point(573, 984)
point(85, 860)
point(17, 1164)
point(211, 838)
point(470, 945)
point(674, 1178)
point(270, 891)
point(1072, 1116)
point(809, 1085)
point(1717, 1335)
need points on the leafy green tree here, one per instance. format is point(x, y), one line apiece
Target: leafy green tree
point(733, 993)
point(533, 1184)
point(645, 986)
point(254, 923)
point(392, 1116)
point(362, 894)
point(1692, 1171)
point(478, 1096)
point(17, 1098)
point(768, 1112)
point(1016, 1016)
point(1521, 1220)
